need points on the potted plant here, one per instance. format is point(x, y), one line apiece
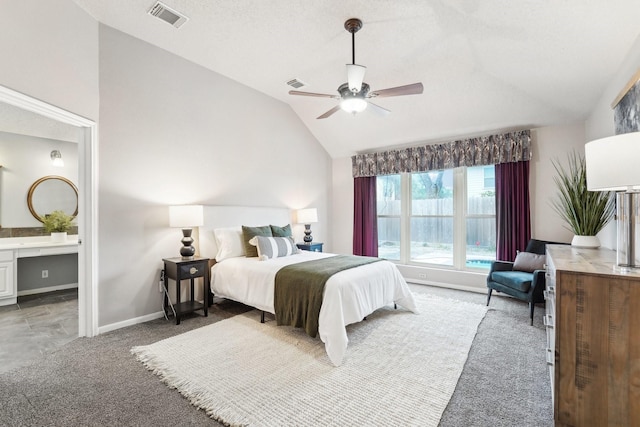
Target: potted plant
point(586, 212)
point(57, 223)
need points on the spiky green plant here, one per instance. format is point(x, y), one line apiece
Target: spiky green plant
point(586, 212)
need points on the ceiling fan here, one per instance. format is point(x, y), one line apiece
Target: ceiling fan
point(354, 94)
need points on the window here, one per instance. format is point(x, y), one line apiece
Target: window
point(489, 177)
point(432, 217)
point(445, 217)
point(388, 193)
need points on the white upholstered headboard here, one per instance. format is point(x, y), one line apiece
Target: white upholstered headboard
point(231, 216)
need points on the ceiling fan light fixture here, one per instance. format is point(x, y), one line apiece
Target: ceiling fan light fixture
point(353, 105)
point(355, 92)
point(355, 76)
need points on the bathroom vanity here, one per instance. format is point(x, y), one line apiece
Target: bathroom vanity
point(12, 249)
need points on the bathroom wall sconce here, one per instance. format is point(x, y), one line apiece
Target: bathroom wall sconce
point(56, 159)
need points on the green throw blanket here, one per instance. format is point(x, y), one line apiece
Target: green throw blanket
point(299, 289)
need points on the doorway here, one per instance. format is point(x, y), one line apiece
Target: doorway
point(87, 202)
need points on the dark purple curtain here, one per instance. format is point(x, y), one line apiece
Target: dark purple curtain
point(513, 219)
point(365, 218)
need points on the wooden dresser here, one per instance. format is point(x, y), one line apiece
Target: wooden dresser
point(593, 333)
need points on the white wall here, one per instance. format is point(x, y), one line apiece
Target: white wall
point(600, 123)
point(25, 159)
point(550, 144)
point(172, 132)
point(49, 51)
point(342, 208)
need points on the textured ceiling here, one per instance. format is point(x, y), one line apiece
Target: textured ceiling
point(486, 66)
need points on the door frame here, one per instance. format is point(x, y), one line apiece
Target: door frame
point(87, 202)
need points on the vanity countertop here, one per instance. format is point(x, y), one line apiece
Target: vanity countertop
point(12, 243)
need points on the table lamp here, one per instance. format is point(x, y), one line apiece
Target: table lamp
point(307, 217)
point(612, 165)
point(186, 217)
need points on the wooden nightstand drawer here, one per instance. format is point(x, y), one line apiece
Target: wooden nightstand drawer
point(193, 270)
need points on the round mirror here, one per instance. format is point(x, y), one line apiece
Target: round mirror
point(52, 193)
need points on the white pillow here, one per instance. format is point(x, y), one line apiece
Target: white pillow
point(273, 247)
point(230, 243)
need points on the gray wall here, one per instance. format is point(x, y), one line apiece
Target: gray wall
point(53, 49)
point(63, 270)
point(172, 132)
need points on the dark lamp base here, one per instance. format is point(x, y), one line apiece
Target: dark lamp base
point(307, 234)
point(187, 251)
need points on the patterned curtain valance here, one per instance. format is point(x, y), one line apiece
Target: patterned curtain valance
point(484, 150)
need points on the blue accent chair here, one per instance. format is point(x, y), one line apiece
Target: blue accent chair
point(524, 286)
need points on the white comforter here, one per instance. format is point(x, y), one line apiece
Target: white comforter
point(349, 295)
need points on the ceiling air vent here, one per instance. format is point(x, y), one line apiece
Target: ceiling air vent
point(296, 84)
point(168, 15)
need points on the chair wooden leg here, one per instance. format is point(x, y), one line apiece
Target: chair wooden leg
point(489, 296)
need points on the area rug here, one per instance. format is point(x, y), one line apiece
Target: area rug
point(400, 368)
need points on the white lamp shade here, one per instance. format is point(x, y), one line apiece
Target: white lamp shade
point(612, 163)
point(186, 216)
point(355, 76)
point(307, 216)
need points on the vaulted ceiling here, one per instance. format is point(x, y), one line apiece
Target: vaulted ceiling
point(486, 66)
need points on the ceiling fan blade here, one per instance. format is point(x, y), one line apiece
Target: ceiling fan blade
point(379, 110)
point(355, 76)
point(412, 89)
point(328, 113)
point(319, 95)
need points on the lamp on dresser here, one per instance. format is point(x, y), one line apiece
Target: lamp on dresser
point(307, 217)
point(612, 165)
point(186, 217)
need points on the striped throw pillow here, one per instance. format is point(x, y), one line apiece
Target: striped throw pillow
point(273, 247)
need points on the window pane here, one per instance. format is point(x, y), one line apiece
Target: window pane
point(481, 242)
point(432, 240)
point(481, 192)
point(388, 195)
point(389, 238)
point(432, 193)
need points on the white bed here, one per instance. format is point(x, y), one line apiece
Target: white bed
point(349, 295)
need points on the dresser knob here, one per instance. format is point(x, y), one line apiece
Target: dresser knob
point(193, 270)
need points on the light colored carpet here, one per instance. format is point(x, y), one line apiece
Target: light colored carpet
point(400, 368)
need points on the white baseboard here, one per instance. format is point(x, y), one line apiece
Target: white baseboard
point(129, 322)
point(47, 289)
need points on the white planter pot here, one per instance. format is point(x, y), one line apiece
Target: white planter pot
point(59, 237)
point(585, 242)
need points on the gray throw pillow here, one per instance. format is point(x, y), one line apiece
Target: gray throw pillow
point(284, 231)
point(274, 247)
point(249, 233)
point(527, 261)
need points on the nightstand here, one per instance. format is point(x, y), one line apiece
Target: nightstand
point(313, 247)
point(180, 269)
